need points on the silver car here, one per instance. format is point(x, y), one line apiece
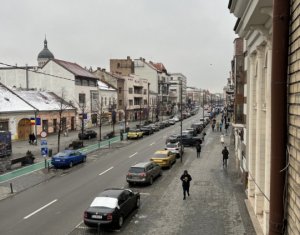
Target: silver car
point(143, 172)
point(175, 148)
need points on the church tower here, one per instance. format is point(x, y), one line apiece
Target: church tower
point(44, 55)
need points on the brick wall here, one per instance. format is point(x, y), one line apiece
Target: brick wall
point(293, 186)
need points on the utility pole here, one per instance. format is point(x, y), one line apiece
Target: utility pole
point(203, 105)
point(181, 150)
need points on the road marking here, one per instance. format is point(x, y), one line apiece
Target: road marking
point(133, 155)
point(106, 170)
point(38, 210)
point(77, 226)
point(152, 144)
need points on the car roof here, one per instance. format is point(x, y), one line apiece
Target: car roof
point(142, 164)
point(162, 151)
point(111, 192)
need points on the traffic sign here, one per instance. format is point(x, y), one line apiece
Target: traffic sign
point(43, 134)
point(44, 152)
point(44, 142)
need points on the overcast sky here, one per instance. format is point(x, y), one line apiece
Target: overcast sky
point(194, 37)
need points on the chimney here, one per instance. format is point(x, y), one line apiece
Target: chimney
point(98, 68)
point(143, 59)
point(103, 70)
point(128, 57)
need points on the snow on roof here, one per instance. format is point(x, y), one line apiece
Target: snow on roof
point(44, 101)
point(24, 101)
point(104, 86)
point(9, 102)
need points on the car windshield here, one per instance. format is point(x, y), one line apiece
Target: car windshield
point(171, 145)
point(136, 170)
point(106, 202)
point(160, 155)
point(133, 131)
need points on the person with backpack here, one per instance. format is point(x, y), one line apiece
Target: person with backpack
point(198, 149)
point(225, 154)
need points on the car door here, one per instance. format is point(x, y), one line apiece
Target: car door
point(125, 203)
point(156, 169)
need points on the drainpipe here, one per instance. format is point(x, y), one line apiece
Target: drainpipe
point(278, 114)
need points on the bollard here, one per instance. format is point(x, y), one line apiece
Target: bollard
point(11, 188)
point(109, 144)
point(48, 164)
point(45, 163)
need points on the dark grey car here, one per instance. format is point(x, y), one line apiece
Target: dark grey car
point(143, 172)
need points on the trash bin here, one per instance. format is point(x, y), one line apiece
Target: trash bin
point(50, 152)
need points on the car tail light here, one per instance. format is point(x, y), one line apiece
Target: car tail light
point(177, 149)
point(142, 174)
point(85, 215)
point(129, 174)
point(109, 216)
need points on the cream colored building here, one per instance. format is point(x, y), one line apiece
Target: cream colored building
point(254, 25)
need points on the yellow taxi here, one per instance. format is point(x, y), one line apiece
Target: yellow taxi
point(164, 158)
point(135, 134)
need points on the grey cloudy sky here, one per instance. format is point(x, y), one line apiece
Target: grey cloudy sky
point(194, 37)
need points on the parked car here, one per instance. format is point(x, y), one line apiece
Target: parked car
point(189, 140)
point(154, 126)
point(162, 125)
point(111, 207)
point(135, 134)
point(67, 158)
point(143, 172)
point(87, 134)
point(173, 138)
point(188, 132)
point(199, 126)
point(166, 122)
point(176, 118)
point(171, 121)
point(193, 130)
point(164, 158)
point(175, 148)
point(147, 130)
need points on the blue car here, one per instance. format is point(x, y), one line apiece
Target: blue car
point(67, 158)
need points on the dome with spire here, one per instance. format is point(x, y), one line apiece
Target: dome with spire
point(45, 53)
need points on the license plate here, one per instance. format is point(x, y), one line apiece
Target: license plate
point(97, 216)
point(57, 160)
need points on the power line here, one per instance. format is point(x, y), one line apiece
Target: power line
point(38, 72)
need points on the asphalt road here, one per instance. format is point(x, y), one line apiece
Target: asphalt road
point(56, 206)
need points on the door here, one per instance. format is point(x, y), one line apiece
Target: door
point(45, 125)
point(54, 125)
point(24, 129)
point(72, 123)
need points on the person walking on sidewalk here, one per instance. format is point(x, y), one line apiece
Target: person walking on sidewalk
point(222, 139)
point(186, 179)
point(198, 149)
point(225, 154)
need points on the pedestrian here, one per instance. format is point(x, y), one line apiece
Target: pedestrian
point(217, 126)
point(222, 139)
point(30, 138)
point(33, 138)
point(198, 149)
point(226, 126)
point(186, 179)
point(221, 125)
point(225, 154)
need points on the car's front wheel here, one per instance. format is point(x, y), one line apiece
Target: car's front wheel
point(151, 180)
point(71, 164)
point(84, 159)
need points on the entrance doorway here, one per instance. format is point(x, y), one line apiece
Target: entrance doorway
point(24, 129)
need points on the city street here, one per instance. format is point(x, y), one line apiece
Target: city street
point(216, 204)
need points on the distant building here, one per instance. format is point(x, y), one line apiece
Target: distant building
point(44, 55)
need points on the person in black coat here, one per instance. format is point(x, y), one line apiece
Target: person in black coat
point(198, 149)
point(225, 154)
point(186, 179)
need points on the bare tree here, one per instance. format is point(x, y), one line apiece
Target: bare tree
point(62, 124)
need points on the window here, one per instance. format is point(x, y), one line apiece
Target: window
point(105, 101)
point(145, 92)
point(77, 81)
point(120, 90)
point(120, 102)
point(85, 82)
point(81, 99)
point(130, 102)
point(130, 90)
point(145, 102)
